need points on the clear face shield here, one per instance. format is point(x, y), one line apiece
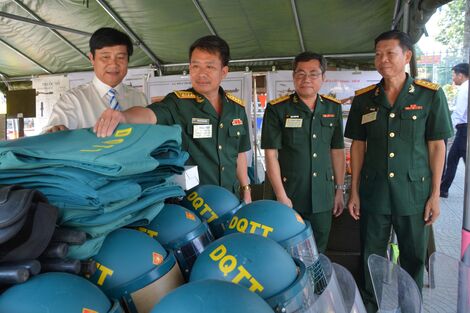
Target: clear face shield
point(187, 248)
point(395, 290)
point(449, 280)
point(304, 248)
point(141, 294)
point(351, 296)
point(298, 297)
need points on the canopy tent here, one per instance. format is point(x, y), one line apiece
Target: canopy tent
point(51, 36)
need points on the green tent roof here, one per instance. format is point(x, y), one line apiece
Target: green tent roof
point(259, 32)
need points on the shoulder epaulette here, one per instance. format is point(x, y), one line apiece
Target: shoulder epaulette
point(235, 99)
point(184, 94)
point(364, 90)
point(280, 99)
point(331, 98)
point(426, 84)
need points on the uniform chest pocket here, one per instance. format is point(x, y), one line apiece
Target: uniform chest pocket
point(412, 124)
point(328, 125)
point(235, 133)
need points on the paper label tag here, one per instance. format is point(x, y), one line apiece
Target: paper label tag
point(202, 131)
point(293, 123)
point(369, 117)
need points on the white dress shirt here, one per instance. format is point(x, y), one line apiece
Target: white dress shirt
point(459, 115)
point(81, 107)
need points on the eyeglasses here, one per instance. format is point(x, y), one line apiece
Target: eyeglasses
point(301, 75)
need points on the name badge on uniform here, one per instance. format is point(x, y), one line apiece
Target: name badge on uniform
point(293, 122)
point(202, 131)
point(369, 117)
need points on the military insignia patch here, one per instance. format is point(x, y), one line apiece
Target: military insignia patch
point(280, 99)
point(328, 115)
point(235, 99)
point(426, 84)
point(299, 218)
point(331, 98)
point(413, 107)
point(184, 94)
point(190, 216)
point(237, 121)
point(157, 258)
point(88, 311)
point(364, 90)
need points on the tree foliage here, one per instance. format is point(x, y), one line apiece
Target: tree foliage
point(451, 23)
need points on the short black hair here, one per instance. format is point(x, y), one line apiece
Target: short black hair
point(108, 37)
point(308, 56)
point(461, 68)
point(405, 40)
point(212, 44)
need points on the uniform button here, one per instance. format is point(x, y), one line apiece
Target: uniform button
point(414, 117)
point(331, 124)
point(284, 179)
point(222, 168)
point(392, 134)
point(314, 174)
point(221, 125)
point(422, 178)
point(314, 155)
point(220, 147)
point(392, 115)
point(314, 136)
point(238, 133)
point(391, 175)
point(391, 154)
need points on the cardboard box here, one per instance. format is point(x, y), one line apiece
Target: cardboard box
point(188, 179)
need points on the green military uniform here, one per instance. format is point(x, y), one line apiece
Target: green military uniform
point(213, 141)
point(303, 139)
point(395, 179)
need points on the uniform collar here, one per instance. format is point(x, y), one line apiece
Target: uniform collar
point(206, 106)
point(408, 90)
point(302, 106)
point(103, 89)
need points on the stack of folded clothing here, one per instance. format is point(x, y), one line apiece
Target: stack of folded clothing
point(98, 184)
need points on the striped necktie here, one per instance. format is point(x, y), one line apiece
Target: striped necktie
point(113, 102)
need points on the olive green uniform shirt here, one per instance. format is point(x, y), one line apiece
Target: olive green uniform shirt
point(213, 141)
point(303, 139)
point(396, 175)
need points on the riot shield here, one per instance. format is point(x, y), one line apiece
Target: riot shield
point(395, 290)
point(331, 299)
point(351, 296)
point(449, 283)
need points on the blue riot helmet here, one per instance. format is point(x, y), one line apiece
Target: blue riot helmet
point(247, 260)
point(283, 224)
point(56, 293)
point(211, 296)
point(214, 204)
point(135, 269)
point(261, 265)
point(181, 231)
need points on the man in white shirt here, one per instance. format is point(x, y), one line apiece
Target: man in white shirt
point(459, 120)
point(80, 107)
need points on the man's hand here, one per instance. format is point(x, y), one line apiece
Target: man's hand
point(354, 206)
point(338, 203)
point(285, 200)
point(107, 122)
point(431, 210)
point(246, 196)
point(56, 128)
